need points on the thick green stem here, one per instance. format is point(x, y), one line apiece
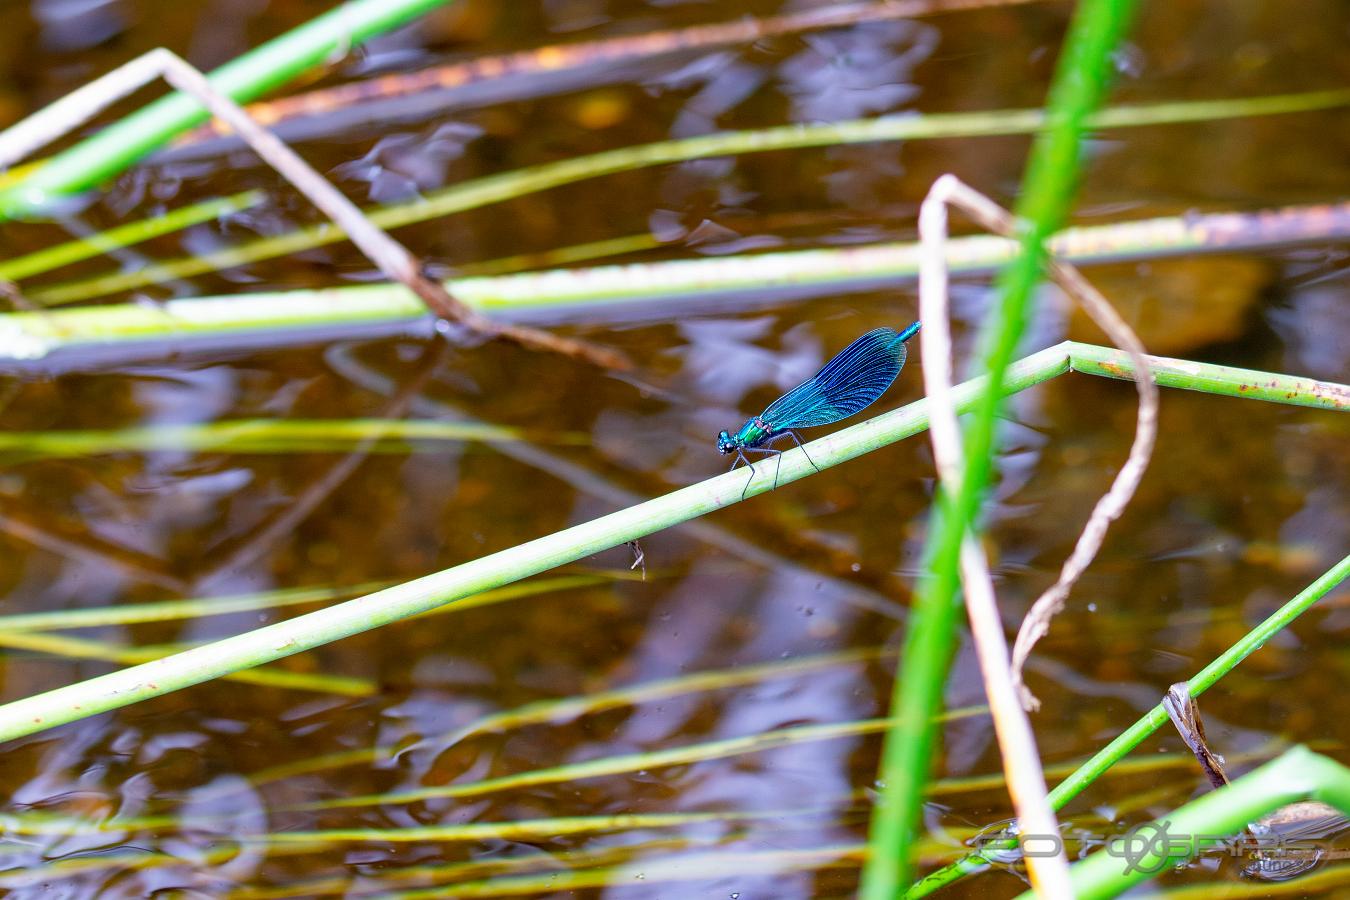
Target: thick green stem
point(283, 639)
point(292, 315)
point(1079, 83)
point(1212, 379)
point(278, 61)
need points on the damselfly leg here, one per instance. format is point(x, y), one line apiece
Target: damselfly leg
point(778, 455)
point(778, 458)
point(742, 458)
point(798, 441)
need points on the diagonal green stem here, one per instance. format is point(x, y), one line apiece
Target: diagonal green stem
point(83, 648)
point(1155, 718)
point(277, 641)
point(1297, 775)
point(124, 236)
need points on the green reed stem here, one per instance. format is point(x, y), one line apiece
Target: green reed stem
point(1080, 81)
point(519, 830)
point(171, 610)
point(1155, 718)
point(83, 648)
point(761, 742)
point(569, 708)
point(1211, 379)
point(658, 871)
point(125, 236)
point(276, 62)
point(201, 607)
point(267, 436)
point(496, 871)
point(123, 688)
point(32, 335)
point(314, 629)
point(510, 185)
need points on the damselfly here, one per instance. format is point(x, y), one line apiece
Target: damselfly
point(847, 384)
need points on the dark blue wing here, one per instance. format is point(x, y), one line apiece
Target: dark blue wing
point(847, 384)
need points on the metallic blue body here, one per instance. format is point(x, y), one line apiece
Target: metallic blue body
point(846, 385)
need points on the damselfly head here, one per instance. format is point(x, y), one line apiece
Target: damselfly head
point(725, 443)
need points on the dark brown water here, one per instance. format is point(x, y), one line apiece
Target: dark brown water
point(1244, 505)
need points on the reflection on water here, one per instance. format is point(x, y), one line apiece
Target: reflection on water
point(1245, 502)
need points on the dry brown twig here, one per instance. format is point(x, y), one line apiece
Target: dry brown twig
point(1112, 504)
point(388, 255)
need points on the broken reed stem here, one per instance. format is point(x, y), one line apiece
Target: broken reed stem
point(1109, 508)
point(110, 151)
point(1017, 743)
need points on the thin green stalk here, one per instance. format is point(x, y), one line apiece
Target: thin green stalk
point(495, 868)
point(1299, 774)
point(1080, 80)
point(1155, 764)
point(569, 708)
point(124, 861)
point(276, 62)
point(761, 742)
point(661, 870)
point(41, 823)
point(124, 236)
point(201, 607)
point(268, 436)
point(1203, 681)
point(82, 648)
point(35, 334)
point(1155, 718)
point(561, 256)
point(510, 185)
point(277, 641)
point(520, 830)
point(172, 610)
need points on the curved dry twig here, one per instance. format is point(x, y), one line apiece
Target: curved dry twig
point(1113, 503)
